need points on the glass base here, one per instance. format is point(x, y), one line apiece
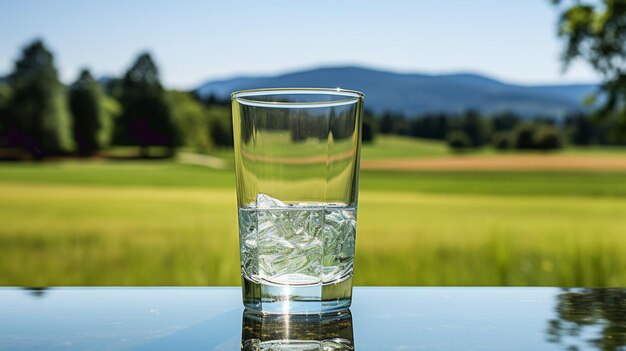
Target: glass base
point(297, 299)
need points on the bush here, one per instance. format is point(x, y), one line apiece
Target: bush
point(191, 119)
point(220, 126)
point(459, 141)
point(501, 140)
point(547, 138)
point(523, 137)
point(368, 133)
point(537, 137)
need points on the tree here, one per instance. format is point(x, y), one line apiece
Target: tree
point(146, 118)
point(5, 98)
point(212, 100)
point(92, 123)
point(191, 120)
point(547, 138)
point(368, 132)
point(475, 128)
point(589, 318)
point(524, 136)
point(37, 119)
point(537, 136)
point(579, 129)
point(501, 140)
point(401, 125)
point(221, 126)
point(459, 141)
point(386, 123)
point(430, 126)
point(596, 33)
point(505, 121)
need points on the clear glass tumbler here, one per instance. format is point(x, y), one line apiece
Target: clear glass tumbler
point(297, 164)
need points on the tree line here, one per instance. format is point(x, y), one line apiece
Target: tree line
point(40, 117)
point(503, 131)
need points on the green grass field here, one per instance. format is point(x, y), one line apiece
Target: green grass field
point(163, 223)
point(385, 147)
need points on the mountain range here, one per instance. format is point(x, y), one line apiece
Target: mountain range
point(417, 93)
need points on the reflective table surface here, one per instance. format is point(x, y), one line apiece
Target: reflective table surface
point(379, 319)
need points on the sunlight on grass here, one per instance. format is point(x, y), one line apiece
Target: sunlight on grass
point(400, 147)
point(77, 235)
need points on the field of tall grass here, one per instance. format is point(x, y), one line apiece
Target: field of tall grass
point(164, 223)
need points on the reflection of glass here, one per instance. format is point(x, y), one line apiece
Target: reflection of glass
point(297, 332)
point(36, 292)
point(590, 318)
point(297, 165)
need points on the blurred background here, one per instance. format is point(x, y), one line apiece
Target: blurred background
point(494, 138)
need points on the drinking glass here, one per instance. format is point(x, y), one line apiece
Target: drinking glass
point(297, 168)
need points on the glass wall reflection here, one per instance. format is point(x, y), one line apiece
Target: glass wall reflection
point(297, 332)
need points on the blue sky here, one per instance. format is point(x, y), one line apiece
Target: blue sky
point(192, 41)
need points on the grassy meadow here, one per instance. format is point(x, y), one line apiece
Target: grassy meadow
point(166, 223)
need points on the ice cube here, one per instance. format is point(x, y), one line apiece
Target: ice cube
point(266, 201)
point(290, 246)
point(248, 242)
point(339, 231)
point(305, 243)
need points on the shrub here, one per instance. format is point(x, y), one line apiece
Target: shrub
point(547, 138)
point(501, 140)
point(458, 140)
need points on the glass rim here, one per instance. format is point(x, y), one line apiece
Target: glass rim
point(351, 96)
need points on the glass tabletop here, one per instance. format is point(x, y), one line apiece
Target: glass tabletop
point(379, 319)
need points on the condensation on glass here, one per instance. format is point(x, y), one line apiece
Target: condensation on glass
point(297, 164)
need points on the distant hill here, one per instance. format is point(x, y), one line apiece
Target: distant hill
point(417, 93)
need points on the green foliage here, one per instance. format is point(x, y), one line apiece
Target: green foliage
point(92, 122)
point(112, 107)
point(221, 126)
point(596, 33)
point(37, 119)
point(537, 136)
point(429, 126)
point(580, 130)
point(581, 313)
point(524, 137)
point(387, 123)
point(5, 98)
point(505, 121)
point(191, 120)
point(507, 130)
point(469, 131)
point(146, 118)
point(458, 140)
point(547, 138)
point(476, 128)
point(368, 132)
point(501, 140)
